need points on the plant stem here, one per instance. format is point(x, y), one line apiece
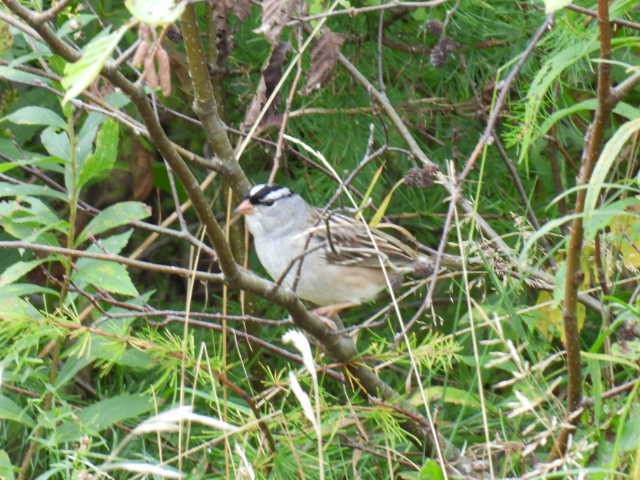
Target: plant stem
point(574, 276)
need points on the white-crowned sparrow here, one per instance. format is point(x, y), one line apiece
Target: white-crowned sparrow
point(329, 258)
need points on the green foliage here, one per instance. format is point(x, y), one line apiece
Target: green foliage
point(82, 73)
point(109, 368)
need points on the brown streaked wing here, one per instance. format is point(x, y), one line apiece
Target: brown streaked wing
point(348, 242)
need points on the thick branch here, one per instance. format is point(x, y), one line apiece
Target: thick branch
point(205, 104)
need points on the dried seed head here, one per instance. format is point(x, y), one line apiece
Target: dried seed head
point(421, 177)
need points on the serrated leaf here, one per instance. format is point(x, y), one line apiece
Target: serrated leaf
point(113, 244)
point(9, 410)
point(106, 152)
point(114, 216)
point(109, 276)
point(551, 6)
point(80, 74)
point(18, 270)
point(156, 12)
point(33, 115)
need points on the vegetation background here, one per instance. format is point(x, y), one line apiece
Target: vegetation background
point(139, 336)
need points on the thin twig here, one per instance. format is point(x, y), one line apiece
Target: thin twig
point(110, 257)
point(351, 12)
point(592, 13)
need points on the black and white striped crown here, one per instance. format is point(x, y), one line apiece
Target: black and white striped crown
point(267, 193)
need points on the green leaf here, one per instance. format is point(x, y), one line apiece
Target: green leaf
point(542, 82)
point(113, 244)
point(75, 23)
point(603, 165)
point(630, 440)
point(448, 395)
point(109, 276)
point(17, 309)
point(114, 216)
point(544, 230)
point(103, 274)
point(560, 280)
point(56, 143)
point(79, 75)
point(105, 155)
point(156, 12)
point(12, 74)
point(603, 216)
point(9, 410)
point(12, 190)
point(623, 109)
point(70, 368)
point(87, 134)
point(23, 289)
point(612, 358)
point(104, 414)
point(17, 270)
point(6, 469)
point(377, 218)
point(33, 115)
point(431, 470)
point(372, 184)
point(118, 353)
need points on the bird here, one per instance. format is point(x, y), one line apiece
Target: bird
point(328, 258)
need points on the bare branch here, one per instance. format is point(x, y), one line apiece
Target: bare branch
point(110, 257)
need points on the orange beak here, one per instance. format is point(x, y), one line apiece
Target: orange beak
point(245, 208)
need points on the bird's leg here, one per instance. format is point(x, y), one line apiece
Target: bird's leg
point(332, 311)
point(329, 314)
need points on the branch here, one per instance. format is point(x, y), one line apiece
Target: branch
point(205, 104)
point(592, 13)
point(52, 12)
point(110, 257)
point(574, 275)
